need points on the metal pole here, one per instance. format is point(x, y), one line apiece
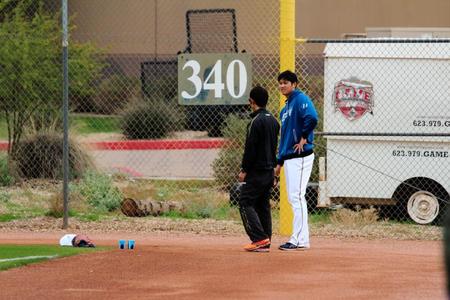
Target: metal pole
point(65, 47)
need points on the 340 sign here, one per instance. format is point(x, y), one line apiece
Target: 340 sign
point(214, 79)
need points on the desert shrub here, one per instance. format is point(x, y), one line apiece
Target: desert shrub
point(113, 94)
point(99, 191)
point(228, 163)
point(205, 209)
point(6, 179)
point(56, 204)
point(151, 120)
point(358, 217)
point(41, 156)
point(5, 197)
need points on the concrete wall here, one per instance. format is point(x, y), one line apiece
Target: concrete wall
point(149, 26)
point(332, 18)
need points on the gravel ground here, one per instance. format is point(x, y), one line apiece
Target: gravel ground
point(37, 192)
point(379, 230)
point(204, 226)
point(220, 227)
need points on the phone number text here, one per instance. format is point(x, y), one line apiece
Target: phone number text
point(420, 153)
point(431, 123)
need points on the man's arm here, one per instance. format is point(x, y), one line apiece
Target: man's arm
point(310, 118)
point(250, 147)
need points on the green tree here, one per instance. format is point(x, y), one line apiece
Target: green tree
point(30, 7)
point(31, 70)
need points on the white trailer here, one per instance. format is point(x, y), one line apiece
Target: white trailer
point(377, 97)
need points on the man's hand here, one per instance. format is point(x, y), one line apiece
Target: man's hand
point(241, 176)
point(299, 147)
point(276, 177)
point(276, 180)
point(277, 170)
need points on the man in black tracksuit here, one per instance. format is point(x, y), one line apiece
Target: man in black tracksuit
point(257, 172)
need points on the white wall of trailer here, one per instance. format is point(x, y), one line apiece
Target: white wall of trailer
point(411, 85)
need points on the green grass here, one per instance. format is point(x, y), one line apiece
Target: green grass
point(86, 124)
point(320, 217)
point(177, 190)
point(180, 215)
point(90, 216)
point(8, 217)
point(82, 124)
point(3, 130)
point(17, 251)
point(21, 211)
point(220, 212)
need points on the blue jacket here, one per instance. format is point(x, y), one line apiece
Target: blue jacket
point(298, 119)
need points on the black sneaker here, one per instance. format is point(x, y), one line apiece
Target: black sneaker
point(291, 247)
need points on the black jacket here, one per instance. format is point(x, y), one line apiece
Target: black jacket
point(261, 142)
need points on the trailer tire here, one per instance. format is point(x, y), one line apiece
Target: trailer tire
point(421, 199)
point(423, 207)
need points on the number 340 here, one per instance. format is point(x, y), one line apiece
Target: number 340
point(217, 84)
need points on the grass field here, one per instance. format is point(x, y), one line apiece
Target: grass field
point(3, 130)
point(86, 124)
point(12, 256)
point(82, 124)
point(32, 204)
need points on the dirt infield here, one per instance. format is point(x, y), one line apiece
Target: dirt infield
point(188, 266)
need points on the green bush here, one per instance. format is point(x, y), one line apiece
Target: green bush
point(228, 163)
point(164, 86)
point(151, 120)
point(98, 190)
point(113, 94)
point(6, 179)
point(41, 156)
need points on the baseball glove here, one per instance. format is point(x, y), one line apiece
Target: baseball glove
point(81, 240)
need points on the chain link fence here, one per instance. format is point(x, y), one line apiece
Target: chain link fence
point(382, 148)
point(385, 133)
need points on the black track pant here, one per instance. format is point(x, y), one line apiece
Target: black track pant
point(254, 204)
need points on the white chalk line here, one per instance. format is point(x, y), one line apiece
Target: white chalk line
point(27, 258)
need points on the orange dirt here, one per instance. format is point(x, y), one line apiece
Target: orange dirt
point(186, 266)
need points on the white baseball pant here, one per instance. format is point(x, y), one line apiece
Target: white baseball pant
point(297, 172)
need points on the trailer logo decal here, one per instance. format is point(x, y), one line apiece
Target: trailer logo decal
point(353, 98)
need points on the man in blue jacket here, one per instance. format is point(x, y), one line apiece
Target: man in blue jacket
point(295, 152)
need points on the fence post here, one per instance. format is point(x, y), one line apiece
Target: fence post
point(65, 46)
point(287, 62)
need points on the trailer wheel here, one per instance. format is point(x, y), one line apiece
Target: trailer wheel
point(423, 207)
point(421, 199)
